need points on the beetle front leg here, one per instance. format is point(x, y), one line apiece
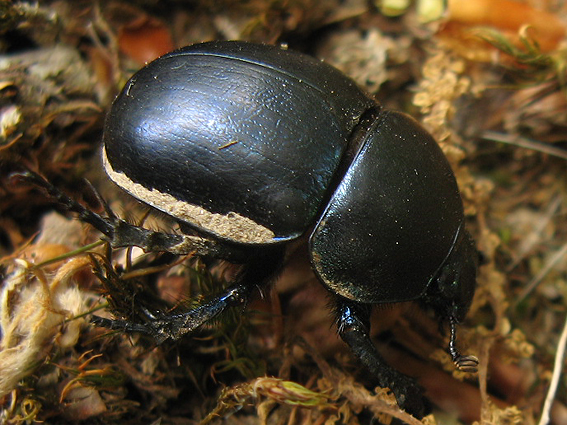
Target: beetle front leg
point(353, 322)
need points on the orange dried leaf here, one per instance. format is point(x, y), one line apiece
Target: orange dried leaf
point(509, 15)
point(144, 39)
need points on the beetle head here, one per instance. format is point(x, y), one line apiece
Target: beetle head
point(452, 292)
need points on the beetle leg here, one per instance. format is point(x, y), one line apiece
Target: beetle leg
point(464, 363)
point(256, 273)
point(120, 233)
point(173, 326)
point(124, 234)
point(353, 322)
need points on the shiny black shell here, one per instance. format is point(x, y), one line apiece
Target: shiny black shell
point(394, 217)
point(257, 140)
point(238, 129)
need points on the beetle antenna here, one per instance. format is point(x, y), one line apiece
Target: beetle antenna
point(463, 363)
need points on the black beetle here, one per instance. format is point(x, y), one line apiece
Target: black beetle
point(252, 146)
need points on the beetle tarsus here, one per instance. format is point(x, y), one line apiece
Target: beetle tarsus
point(121, 325)
point(463, 363)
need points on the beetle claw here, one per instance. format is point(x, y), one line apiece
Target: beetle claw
point(467, 364)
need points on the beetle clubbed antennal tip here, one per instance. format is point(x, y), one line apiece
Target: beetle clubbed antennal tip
point(467, 364)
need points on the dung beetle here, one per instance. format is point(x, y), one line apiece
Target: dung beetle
point(250, 147)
